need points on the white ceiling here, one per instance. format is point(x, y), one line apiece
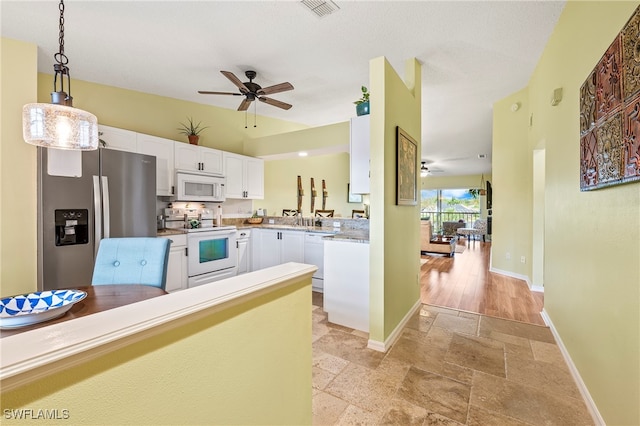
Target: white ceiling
point(472, 53)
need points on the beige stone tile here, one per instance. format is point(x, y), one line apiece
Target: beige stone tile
point(514, 328)
point(318, 315)
point(456, 324)
point(526, 403)
point(326, 409)
point(394, 367)
point(414, 334)
point(364, 387)
point(420, 322)
point(404, 413)
point(318, 330)
point(477, 353)
point(436, 393)
point(356, 416)
point(336, 326)
point(429, 310)
point(435, 419)
point(439, 337)
point(349, 347)
point(320, 378)
point(505, 338)
point(362, 334)
point(328, 362)
point(547, 352)
point(471, 315)
point(479, 417)
point(550, 378)
point(523, 352)
point(456, 372)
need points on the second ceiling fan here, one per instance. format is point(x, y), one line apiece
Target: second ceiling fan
point(252, 91)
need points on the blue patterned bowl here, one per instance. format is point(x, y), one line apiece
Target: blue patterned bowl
point(32, 308)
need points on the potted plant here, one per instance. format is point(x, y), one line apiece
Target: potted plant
point(362, 104)
point(192, 131)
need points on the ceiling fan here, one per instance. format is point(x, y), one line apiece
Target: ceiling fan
point(252, 91)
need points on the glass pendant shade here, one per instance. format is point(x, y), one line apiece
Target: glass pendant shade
point(59, 126)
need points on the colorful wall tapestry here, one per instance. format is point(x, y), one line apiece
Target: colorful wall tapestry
point(610, 114)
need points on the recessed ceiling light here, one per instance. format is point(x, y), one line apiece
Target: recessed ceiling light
point(302, 154)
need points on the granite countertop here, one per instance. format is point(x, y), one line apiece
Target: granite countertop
point(353, 235)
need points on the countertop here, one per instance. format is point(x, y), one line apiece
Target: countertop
point(354, 235)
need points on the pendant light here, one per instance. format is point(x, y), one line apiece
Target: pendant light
point(58, 124)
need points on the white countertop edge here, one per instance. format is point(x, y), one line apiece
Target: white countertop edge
point(30, 355)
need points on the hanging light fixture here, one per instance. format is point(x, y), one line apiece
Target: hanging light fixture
point(58, 124)
point(424, 170)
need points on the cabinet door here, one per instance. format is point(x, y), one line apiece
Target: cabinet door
point(177, 265)
point(234, 172)
point(266, 247)
point(359, 153)
point(187, 157)
point(244, 258)
point(254, 173)
point(292, 247)
point(118, 139)
point(162, 149)
point(211, 160)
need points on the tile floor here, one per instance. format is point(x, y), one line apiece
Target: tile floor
point(448, 368)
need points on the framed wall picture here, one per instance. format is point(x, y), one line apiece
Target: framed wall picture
point(406, 169)
point(353, 198)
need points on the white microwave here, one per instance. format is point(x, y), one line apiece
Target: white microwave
point(194, 186)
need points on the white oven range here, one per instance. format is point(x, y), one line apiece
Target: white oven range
point(212, 254)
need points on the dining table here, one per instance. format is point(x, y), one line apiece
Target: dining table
point(99, 298)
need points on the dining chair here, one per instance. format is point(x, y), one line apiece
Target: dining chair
point(357, 214)
point(140, 260)
point(289, 212)
point(324, 213)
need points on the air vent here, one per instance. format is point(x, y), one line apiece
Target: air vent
point(481, 156)
point(320, 7)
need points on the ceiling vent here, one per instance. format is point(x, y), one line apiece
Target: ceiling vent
point(320, 7)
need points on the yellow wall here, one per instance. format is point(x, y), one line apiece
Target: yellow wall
point(281, 184)
point(591, 239)
point(161, 116)
point(333, 135)
point(248, 364)
point(17, 170)
point(394, 230)
point(512, 187)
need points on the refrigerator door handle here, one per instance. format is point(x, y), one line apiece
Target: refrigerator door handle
point(97, 215)
point(105, 205)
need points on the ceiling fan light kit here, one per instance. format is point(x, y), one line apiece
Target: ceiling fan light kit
point(252, 91)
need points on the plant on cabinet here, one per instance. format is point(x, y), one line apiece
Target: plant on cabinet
point(192, 130)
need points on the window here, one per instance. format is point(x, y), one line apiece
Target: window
point(449, 205)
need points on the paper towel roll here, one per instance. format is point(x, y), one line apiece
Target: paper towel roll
point(219, 216)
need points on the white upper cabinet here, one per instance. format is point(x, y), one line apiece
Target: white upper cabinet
point(359, 155)
point(118, 139)
point(197, 158)
point(162, 149)
point(245, 176)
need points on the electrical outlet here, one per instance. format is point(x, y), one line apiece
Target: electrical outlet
point(523, 259)
point(508, 256)
point(272, 221)
point(336, 224)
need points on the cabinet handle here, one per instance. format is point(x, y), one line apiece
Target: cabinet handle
point(173, 191)
point(186, 251)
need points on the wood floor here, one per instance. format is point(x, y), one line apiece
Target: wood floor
point(464, 282)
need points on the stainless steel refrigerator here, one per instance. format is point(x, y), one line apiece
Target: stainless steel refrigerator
point(114, 196)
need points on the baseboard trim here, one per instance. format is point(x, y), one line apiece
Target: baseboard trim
point(512, 275)
point(395, 334)
point(586, 396)
point(537, 288)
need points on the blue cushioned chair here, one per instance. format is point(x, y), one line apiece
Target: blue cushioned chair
point(132, 261)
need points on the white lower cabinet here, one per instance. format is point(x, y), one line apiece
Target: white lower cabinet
point(177, 274)
point(272, 247)
point(243, 242)
point(346, 283)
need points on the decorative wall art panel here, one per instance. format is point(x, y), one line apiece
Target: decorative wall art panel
point(588, 104)
point(610, 114)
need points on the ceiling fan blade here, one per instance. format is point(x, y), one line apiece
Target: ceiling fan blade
point(204, 92)
point(275, 103)
point(276, 88)
point(244, 105)
point(235, 80)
